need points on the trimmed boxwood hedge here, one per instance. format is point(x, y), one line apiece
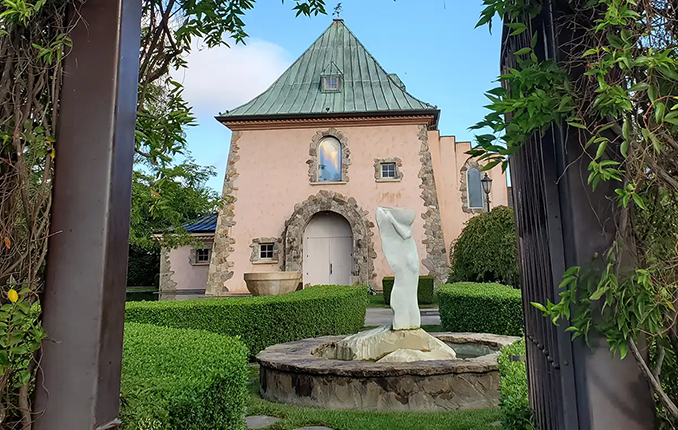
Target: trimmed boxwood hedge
point(481, 308)
point(263, 321)
point(424, 290)
point(513, 397)
point(175, 379)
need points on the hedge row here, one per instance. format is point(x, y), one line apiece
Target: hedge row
point(481, 308)
point(263, 321)
point(176, 379)
point(424, 291)
point(513, 397)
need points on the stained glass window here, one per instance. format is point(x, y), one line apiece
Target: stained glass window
point(329, 160)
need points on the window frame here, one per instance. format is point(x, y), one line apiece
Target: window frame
point(340, 159)
point(327, 89)
point(394, 170)
point(479, 186)
point(270, 250)
point(199, 255)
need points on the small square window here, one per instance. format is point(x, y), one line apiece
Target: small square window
point(202, 255)
point(331, 83)
point(388, 170)
point(266, 251)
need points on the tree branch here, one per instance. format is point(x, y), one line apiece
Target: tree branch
point(656, 385)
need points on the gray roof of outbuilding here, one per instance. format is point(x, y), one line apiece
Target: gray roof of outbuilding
point(366, 87)
point(206, 224)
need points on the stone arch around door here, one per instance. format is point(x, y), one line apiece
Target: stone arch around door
point(329, 201)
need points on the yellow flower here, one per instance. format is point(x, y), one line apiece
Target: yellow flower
point(13, 295)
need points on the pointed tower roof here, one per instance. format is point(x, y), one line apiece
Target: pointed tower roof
point(364, 87)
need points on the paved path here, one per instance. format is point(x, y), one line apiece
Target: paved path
point(384, 316)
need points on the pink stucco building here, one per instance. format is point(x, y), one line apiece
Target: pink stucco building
point(311, 159)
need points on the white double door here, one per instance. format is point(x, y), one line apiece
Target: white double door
point(328, 251)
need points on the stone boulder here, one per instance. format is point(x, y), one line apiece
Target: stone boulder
point(380, 342)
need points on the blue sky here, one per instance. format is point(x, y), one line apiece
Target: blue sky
point(431, 44)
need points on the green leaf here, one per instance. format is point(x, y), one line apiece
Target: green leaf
point(539, 306)
point(590, 52)
point(659, 110)
point(599, 293)
point(522, 52)
point(615, 41)
point(652, 93)
point(577, 124)
point(639, 201)
point(533, 42)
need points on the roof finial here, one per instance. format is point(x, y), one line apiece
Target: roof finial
point(337, 12)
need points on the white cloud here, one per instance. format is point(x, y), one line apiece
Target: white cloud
point(223, 78)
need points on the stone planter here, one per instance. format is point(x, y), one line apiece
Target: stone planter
point(272, 283)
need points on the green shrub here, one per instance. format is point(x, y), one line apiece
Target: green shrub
point(263, 321)
point(424, 290)
point(481, 308)
point(669, 378)
point(487, 250)
point(176, 379)
point(513, 397)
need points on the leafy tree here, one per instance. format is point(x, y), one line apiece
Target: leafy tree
point(624, 107)
point(34, 39)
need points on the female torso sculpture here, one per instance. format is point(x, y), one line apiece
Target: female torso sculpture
point(395, 229)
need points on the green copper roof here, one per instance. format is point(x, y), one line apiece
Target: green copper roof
point(365, 86)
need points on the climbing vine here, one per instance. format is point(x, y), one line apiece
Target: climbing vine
point(616, 86)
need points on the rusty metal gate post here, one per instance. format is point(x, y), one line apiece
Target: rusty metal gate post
point(562, 223)
point(78, 386)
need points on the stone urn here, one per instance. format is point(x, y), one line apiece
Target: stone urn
point(272, 283)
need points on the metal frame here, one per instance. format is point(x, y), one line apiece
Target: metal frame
point(78, 384)
point(562, 223)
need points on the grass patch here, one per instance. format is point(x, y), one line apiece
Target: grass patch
point(294, 417)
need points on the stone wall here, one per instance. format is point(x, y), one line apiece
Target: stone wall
point(166, 282)
point(220, 270)
point(436, 261)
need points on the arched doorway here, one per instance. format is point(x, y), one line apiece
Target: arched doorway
point(328, 250)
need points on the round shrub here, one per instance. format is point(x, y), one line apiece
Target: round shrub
point(487, 250)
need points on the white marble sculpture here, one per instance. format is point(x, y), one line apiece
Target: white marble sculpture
point(404, 341)
point(395, 229)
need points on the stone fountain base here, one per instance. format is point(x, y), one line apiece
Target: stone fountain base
point(296, 373)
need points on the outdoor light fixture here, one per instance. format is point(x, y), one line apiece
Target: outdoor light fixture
point(487, 187)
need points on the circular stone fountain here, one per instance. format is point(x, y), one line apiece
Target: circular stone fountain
point(299, 373)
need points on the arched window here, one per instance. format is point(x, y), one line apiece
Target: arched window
point(329, 160)
point(475, 188)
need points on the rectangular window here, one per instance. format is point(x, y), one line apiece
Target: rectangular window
point(266, 251)
point(388, 170)
point(202, 255)
point(331, 83)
